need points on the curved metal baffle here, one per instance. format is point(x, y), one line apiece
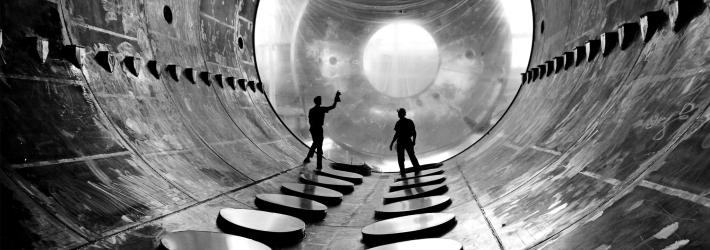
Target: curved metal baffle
point(651, 22)
point(270, 228)
point(328, 182)
point(530, 76)
point(408, 228)
point(543, 70)
point(681, 12)
point(174, 71)
point(190, 74)
point(232, 82)
point(342, 175)
point(592, 47)
point(153, 68)
point(362, 169)
point(536, 73)
point(550, 65)
point(609, 40)
point(580, 52)
point(418, 182)
point(305, 209)
point(423, 167)
point(569, 59)
point(559, 63)
point(205, 77)
point(75, 54)
point(105, 59)
point(413, 193)
point(415, 206)
point(200, 240)
point(320, 194)
point(242, 84)
point(218, 80)
point(132, 64)
point(627, 33)
point(39, 47)
point(251, 86)
point(422, 244)
point(420, 174)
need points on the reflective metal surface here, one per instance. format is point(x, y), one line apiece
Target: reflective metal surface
point(419, 174)
point(323, 195)
point(198, 240)
point(417, 182)
point(292, 201)
point(426, 204)
point(342, 175)
point(342, 186)
point(407, 224)
point(262, 221)
point(453, 65)
point(413, 193)
point(422, 244)
point(302, 208)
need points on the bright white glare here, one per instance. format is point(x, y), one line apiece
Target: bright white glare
point(401, 59)
point(518, 13)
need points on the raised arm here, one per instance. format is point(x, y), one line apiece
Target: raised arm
point(335, 101)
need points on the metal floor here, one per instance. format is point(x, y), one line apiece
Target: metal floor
point(610, 153)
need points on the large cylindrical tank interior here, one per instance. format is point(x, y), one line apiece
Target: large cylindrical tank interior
point(184, 124)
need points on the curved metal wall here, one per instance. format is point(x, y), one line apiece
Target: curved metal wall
point(99, 152)
point(610, 154)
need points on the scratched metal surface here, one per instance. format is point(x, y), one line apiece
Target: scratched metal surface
point(582, 150)
point(99, 152)
point(612, 154)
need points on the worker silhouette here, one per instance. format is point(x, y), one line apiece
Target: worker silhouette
point(316, 115)
point(406, 136)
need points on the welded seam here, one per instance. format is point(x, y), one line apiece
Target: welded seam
point(670, 191)
point(105, 31)
point(68, 160)
point(483, 211)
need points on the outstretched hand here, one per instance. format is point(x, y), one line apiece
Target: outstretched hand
point(337, 96)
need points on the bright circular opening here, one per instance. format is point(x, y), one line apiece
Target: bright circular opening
point(401, 59)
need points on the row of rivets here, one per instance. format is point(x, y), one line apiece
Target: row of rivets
point(681, 12)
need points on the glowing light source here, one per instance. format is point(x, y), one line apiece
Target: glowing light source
point(401, 59)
